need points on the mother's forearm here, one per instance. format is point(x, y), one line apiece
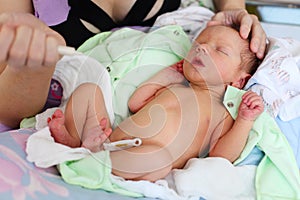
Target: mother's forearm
point(16, 6)
point(23, 93)
point(229, 4)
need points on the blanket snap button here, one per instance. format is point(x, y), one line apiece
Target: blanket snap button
point(176, 33)
point(230, 104)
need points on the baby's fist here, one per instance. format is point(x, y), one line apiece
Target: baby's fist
point(251, 106)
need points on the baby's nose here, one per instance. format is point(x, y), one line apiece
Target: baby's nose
point(202, 48)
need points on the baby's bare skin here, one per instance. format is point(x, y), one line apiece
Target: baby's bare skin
point(178, 113)
point(162, 125)
point(179, 119)
point(95, 136)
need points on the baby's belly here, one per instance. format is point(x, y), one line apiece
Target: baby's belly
point(155, 125)
point(168, 127)
point(182, 136)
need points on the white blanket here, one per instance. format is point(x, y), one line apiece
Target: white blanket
point(71, 71)
point(209, 178)
point(277, 78)
point(192, 19)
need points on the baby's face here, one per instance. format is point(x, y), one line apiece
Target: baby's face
point(215, 55)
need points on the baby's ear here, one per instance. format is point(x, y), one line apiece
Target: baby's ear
point(241, 82)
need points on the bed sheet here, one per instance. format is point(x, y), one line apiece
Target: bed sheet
point(22, 180)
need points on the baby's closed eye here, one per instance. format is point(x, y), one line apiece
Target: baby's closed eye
point(223, 51)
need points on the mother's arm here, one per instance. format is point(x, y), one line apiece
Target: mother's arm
point(28, 56)
point(16, 6)
point(222, 5)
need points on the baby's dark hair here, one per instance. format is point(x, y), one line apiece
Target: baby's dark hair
point(249, 60)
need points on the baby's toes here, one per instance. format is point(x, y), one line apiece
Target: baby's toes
point(101, 139)
point(58, 114)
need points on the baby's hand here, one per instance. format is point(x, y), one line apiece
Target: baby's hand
point(171, 75)
point(251, 106)
point(178, 66)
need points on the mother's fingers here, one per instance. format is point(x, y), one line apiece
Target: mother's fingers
point(218, 19)
point(17, 55)
point(258, 38)
point(246, 22)
point(36, 52)
point(25, 46)
point(250, 24)
point(51, 53)
point(6, 39)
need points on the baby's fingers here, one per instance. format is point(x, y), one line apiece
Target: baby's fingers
point(251, 99)
point(255, 103)
point(248, 95)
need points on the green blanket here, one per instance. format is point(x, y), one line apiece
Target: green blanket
point(93, 172)
point(132, 56)
point(277, 175)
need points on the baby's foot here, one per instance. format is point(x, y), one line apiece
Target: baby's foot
point(95, 137)
point(58, 130)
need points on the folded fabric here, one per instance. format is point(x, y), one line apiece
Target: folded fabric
point(277, 175)
point(77, 166)
point(192, 19)
point(159, 190)
point(277, 78)
point(81, 167)
point(93, 172)
point(229, 182)
point(72, 71)
point(291, 130)
point(44, 152)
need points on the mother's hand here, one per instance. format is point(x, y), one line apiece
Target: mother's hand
point(26, 41)
point(248, 23)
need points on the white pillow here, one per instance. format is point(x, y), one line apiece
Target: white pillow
point(277, 79)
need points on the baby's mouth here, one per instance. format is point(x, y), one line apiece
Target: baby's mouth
point(197, 62)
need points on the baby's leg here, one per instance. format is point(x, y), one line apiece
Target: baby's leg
point(146, 162)
point(86, 116)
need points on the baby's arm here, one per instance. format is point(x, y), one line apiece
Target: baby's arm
point(150, 88)
point(232, 143)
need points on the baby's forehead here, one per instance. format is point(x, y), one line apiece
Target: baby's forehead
point(217, 31)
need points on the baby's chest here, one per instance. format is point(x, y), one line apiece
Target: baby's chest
point(175, 99)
